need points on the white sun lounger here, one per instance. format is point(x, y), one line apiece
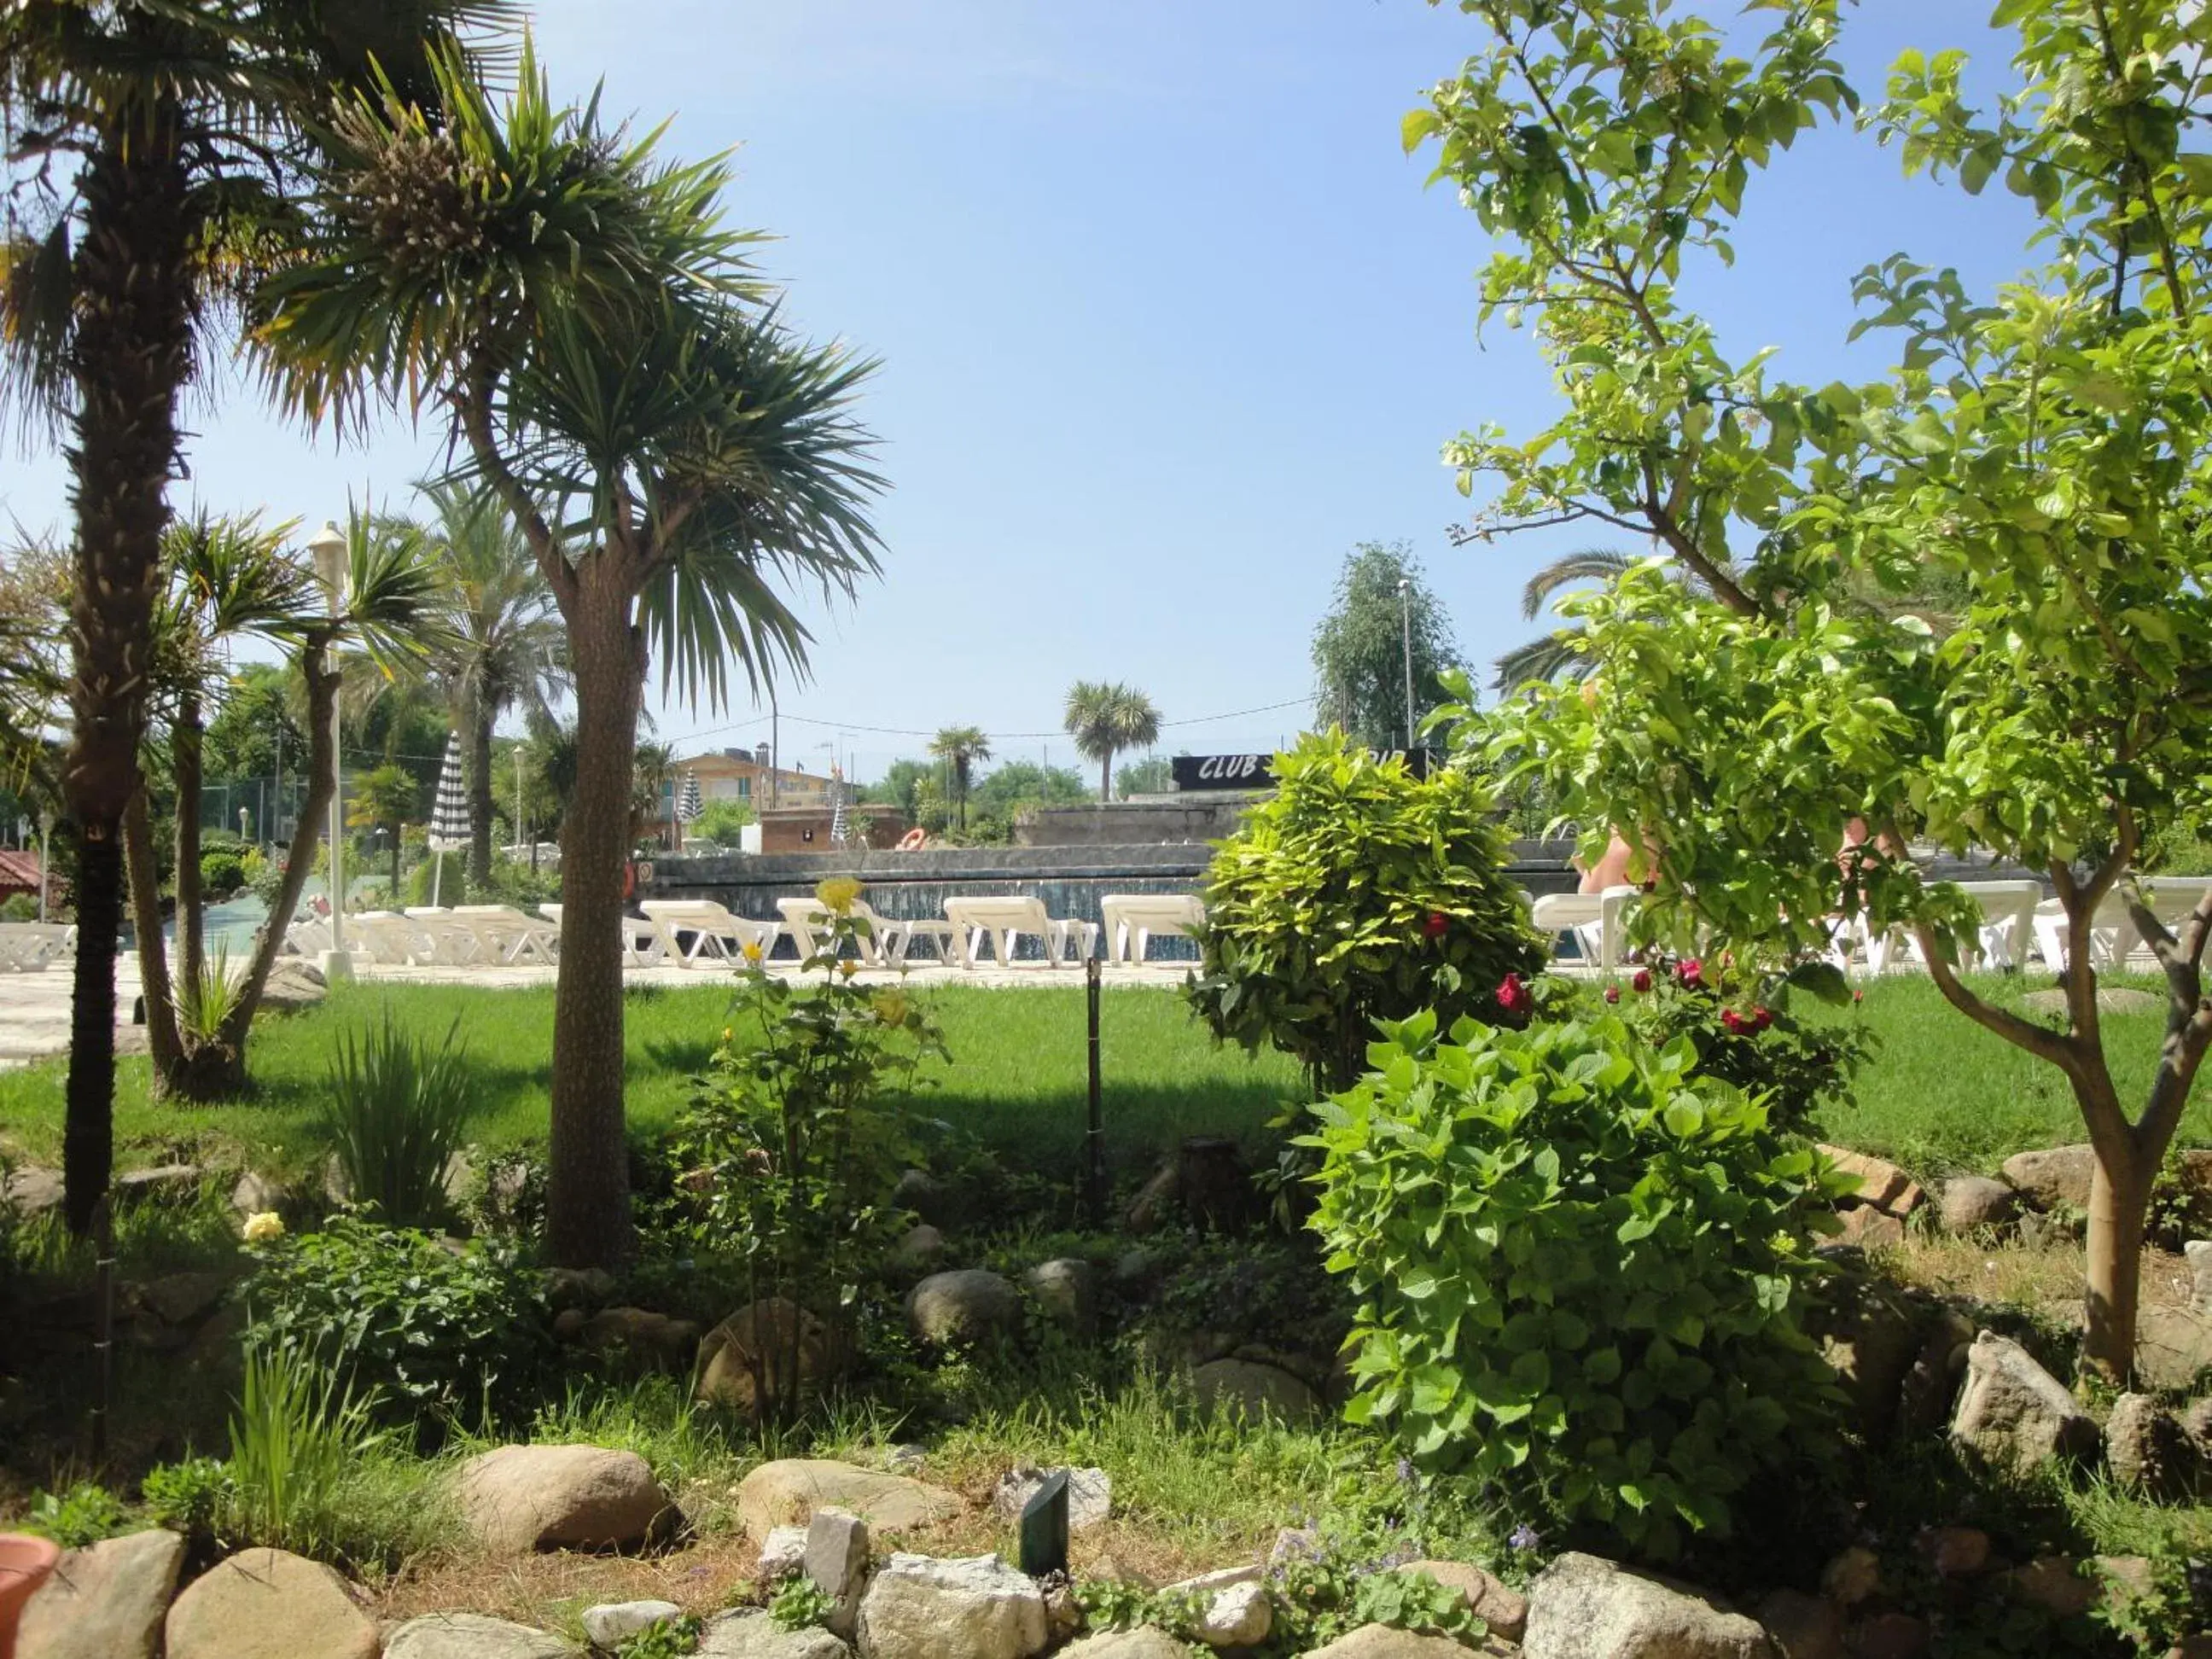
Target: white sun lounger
point(1599, 922)
point(716, 934)
point(307, 938)
point(1000, 919)
point(2007, 924)
point(393, 940)
point(884, 945)
point(29, 947)
point(641, 946)
point(452, 942)
point(1131, 919)
point(506, 937)
point(2112, 935)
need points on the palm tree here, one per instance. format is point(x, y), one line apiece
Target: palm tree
point(960, 747)
point(385, 798)
point(672, 454)
point(651, 776)
point(1550, 656)
point(1104, 720)
point(176, 127)
point(507, 646)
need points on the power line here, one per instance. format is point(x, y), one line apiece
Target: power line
point(996, 737)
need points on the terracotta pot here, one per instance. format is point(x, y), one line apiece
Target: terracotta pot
point(25, 1564)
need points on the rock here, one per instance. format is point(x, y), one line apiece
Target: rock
point(1138, 1269)
point(1303, 1544)
point(2173, 1347)
point(1237, 1617)
point(2016, 1414)
point(612, 1623)
point(1869, 1228)
point(1802, 1626)
point(2197, 1423)
point(783, 1552)
point(268, 1604)
point(919, 1250)
point(917, 1607)
point(2125, 1578)
point(1852, 1576)
point(904, 1458)
point(33, 1191)
point(2055, 1583)
point(836, 1559)
point(1063, 1615)
point(166, 1183)
point(928, 1198)
point(1882, 1185)
point(183, 1299)
point(474, 1636)
point(2199, 1254)
point(1066, 1288)
point(578, 1287)
point(2056, 1177)
point(1387, 1642)
point(568, 1324)
point(758, 1345)
point(1499, 1606)
point(649, 1337)
point(1931, 1382)
point(1973, 1203)
point(969, 1305)
point(1869, 1335)
point(752, 1634)
point(1955, 1552)
point(1254, 1389)
point(518, 1498)
point(2146, 1446)
point(791, 1489)
point(1208, 1583)
point(293, 985)
point(104, 1602)
point(255, 1194)
point(1889, 1636)
point(1090, 1496)
point(1157, 1201)
point(1145, 1642)
point(1583, 1605)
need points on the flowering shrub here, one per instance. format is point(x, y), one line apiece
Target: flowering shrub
point(1356, 892)
point(1580, 1270)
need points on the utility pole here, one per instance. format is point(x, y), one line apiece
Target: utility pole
point(1406, 622)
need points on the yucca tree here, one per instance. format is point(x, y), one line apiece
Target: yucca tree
point(961, 748)
point(151, 147)
point(1105, 719)
point(506, 648)
point(670, 454)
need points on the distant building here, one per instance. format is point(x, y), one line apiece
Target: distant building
point(745, 774)
point(19, 872)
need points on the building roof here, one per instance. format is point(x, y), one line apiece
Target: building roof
point(19, 869)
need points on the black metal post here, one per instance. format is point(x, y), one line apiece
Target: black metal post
point(103, 1326)
point(1094, 1171)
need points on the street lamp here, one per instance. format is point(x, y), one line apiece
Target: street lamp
point(328, 548)
point(1406, 623)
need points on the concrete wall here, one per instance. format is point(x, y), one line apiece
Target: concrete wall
point(1192, 817)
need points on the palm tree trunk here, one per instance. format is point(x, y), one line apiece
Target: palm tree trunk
point(587, 1218)
point(163, 1043)
point(184, 759)
point(1106, 777)
point(476, 722)
point(130, 360)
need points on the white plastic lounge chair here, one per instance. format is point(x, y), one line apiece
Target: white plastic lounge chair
point(1131, 919)
point(307, 938)
point(884, 945)
point(391, 940)
point(30, 946)
point(1002, 918)
point(2112, 934)
point(1598, 921)
point(2007, 923)
point(451, 942)
point(641, 948)
point(716, 934)
point(506, 937)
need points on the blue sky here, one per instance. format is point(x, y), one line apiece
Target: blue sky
point(1167, 322)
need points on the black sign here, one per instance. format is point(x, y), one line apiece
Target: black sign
point(1194, 772)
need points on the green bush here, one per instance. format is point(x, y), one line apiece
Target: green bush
point(1357, 893)
point(222, 871)
point(85, 1514)
point(450, 888)
point(19, 907)
point(1580, 1270)
point(430, 1329)
point(395, 1108)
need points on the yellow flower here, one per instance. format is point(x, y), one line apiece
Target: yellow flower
point(727, 1033)
point(264, 1227)
point(836, 895)
point(752, 951)
point(848, 967)
point(890, 1006)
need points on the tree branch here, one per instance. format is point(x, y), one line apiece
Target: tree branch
point(473, 404)
point(2043, 1043)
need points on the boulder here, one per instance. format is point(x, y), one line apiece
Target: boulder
point(1089, 1495)
point(172, 1183)
point(1882, 1185)
point(1852, 1576)
point(752, 1634)
point(612, 1623)
point(969, 1305)
point(2054, 1177)
point(789, 1491)
point(183, 1299)
point(1066, 1288)
point(1145, 1642)
point(1499, 1606)
point(783, 1552)
point(1387, 1642)
point(1954, 1552)
point(1239, 1616)
point(919, 1250)
point(1868, 1229)
point(2146, 1446)
point(255, 1194)
point(1802, 1626)
point(1931, 1382)
point(2016, 1414)
point(1584, 1605)
point(1973, 1203)
point(520, 1498)
point(2174, 1346)
point(578, 1287)
point(32, 1191)
point(836, 1559)
point(1208, 1583)
point(918, 1608)
point(1157, 1201)
point(757, 1345)
point(1889, 1636)
point(474, 1636)
point(105, 1601)
point(293, 985)
point(268, 1604)
point(647, 1337)
point(1253, 1389)
point(1869, 1335)
point(928, 1198)
point(2055, 1583)
point(2197, 1423)
point(2198, 1252)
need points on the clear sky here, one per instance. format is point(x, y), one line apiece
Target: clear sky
point(1167, 323)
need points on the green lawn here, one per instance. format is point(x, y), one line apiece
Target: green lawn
point(1942, 1094)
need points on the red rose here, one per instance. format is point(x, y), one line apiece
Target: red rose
point(1436, 923)
point(1642, 981)
point(1733, 1021)
point(1691, 972)
point(1761, 1017)
point(1858, 996)
point(1612, 993)
point(1512, 994)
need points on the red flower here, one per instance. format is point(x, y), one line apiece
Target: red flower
point(1761, 1017)
point(1858, 996)
point(1612, 993)
point(1691, 972)
point(1512, 994)
point(1436, 925)
point(1642, 981)
point(1733, 1021)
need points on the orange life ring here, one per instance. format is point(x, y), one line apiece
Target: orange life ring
point(629, 880)
point(913, 841)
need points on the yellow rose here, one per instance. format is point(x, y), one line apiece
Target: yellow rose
point(836, 895)
point(848, 967)
point(752, 951)
point(890, 1006)
point(264, 1227)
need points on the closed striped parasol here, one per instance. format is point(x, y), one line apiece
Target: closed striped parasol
point(450, 821)
point(690, 805)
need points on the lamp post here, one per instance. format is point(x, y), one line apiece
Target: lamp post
point(45, 856)
point(1406, 623)
point(328, 548)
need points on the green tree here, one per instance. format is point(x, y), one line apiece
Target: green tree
point(615, 372)
point(387, 798)
point(1359, 648)
point(654, 783)
point(1105, 719)
point(2043, 451)
point(961, 748)
point(722, 822)
point(1152, 776)
point(901, 783)
point(251, 726)
point(175, 128)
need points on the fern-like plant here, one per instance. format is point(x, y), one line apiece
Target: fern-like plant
point(293, 1440)
point(395, 1111)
